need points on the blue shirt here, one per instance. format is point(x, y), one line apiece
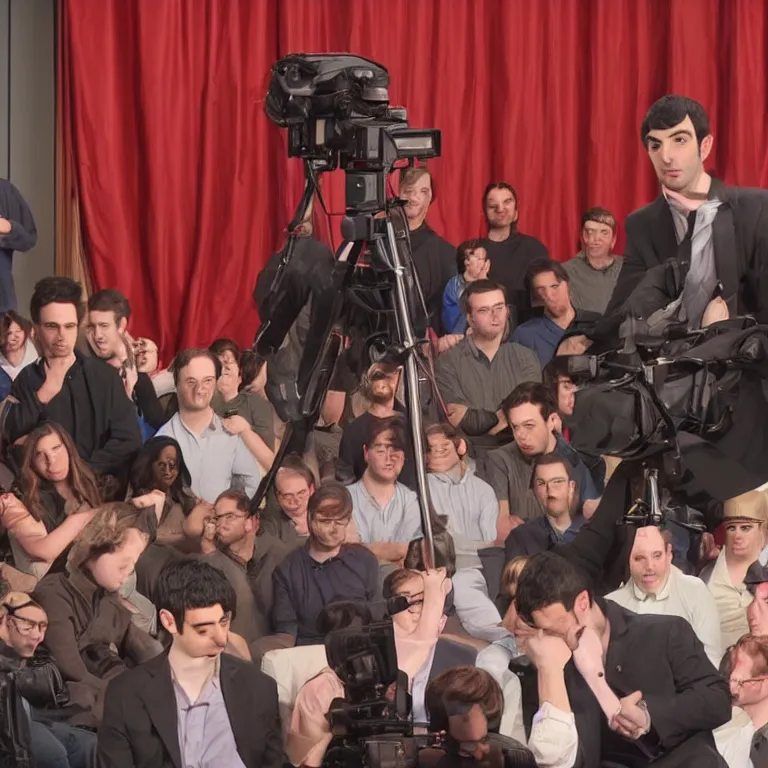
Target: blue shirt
point(541, 336)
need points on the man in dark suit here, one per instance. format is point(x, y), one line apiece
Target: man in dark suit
point(192, 705)
point(641, 688)
point(722, 232)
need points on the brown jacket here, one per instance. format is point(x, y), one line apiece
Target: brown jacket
point(90, 636)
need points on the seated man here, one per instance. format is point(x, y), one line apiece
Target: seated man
point(385, 512)
point(323, 570)
point(477, 374)
point(472, 264)
point(217, 451)
point(81, 394)
point(532, 415)
point(756, 581)
point(192, 705)
point(658, 587)
point(549, 284)
point(640, 687)
point(294, 486)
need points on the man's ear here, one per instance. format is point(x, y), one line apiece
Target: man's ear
point(122, 325)
point(582, 603)
point(461, 448)
point(365, 454)
point(168, 622)
point(706, 147)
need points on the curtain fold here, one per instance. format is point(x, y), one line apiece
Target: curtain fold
point(184, 186)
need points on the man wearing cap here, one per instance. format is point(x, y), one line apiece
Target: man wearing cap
point(756, 582)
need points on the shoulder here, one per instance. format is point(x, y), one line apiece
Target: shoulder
point(692, 585)
point(30, 375)
point(642, 215)
point(406, 494)
point(532, 243)
point(520, 353)
point(355, 551)
point(134, 679)
point(52, 587)
point(502, 456)
point(247, 670)
point(452, 358)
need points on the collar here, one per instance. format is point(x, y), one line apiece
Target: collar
point(616, 615)
point(717, 191)
point(88, 588)
point(582, 256)
point(662, 594)
point(214, 425)
point(40, 364)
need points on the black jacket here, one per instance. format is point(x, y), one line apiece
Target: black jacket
point(435, 262)
point(22, 237)
point(740, 235)
point(92, 406)
point(15, 736)
point(139, 729)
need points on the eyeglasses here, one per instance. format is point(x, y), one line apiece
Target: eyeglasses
point(227, 517)
point(300, 496)
point(739, 684)
point(555, 482)
point(497, 309)
point(383, 451)
point(342, 523)
point(27, 626)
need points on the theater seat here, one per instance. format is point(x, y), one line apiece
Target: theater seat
point(290, 668)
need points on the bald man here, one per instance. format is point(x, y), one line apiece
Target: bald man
point(658, 587)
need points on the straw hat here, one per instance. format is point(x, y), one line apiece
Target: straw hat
point(750, 507)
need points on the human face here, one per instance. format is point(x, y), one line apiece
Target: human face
point(57, 330)
point(385, 460)
point(327, 530)
point(500, 209)
point(476, 265)
point(204, 634)
point(418, 195)
point(552, 293)
point(533, 433)
point(470, 732)
point(413, 588)
point(197, 383)
point(383, 385)
point(105, 334)
point(232, 524)
point(747, 688)
point(676, 156)
point(553, 489)
point(442, 455)
point(111, 570)
point(146, 356)
point(25, 629)
point(230, 378)
point(598, 239)
point(757, 612)
point(14, 339)
point(555, 620)
point(566, 395)
point(650, 560)
point(743, 539)
point(488, 314)
point(51, 459)
point(165, 468)
point(292, 493)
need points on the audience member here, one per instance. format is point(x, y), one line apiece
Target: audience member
point(549, 285)
point(218, 452)
point(82, 395)
point(509, 251)
point(756, 582)
point(294, 486)
point(17, 233)
point(656, 586)
point(324, 570)
point(17, 349)
point(385, 512)
point(90, 634)
point(477, 374)
point(160, 466)
point(23, 624)
point(379, 386)
point(744, 520)
point(471, 264)
point(532, 415)
point(669, 713)
point(193, 705)
point(593, 272)
point(108, 316)
point(231, 399)
point(433, 257)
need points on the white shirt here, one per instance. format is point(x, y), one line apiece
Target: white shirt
point(734, 739)
point(683, 596)
point(399, 521)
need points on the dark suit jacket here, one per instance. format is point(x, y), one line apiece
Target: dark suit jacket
point(139, 729)
point(686, 697)
point(740, 235)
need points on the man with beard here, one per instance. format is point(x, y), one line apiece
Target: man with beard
point(380, 388)
point(433, 257)
point(509, 251)
point(324, 570)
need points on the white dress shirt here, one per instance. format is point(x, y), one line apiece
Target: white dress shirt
point(683, 596)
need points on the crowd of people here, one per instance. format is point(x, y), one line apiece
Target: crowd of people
point(151, 614)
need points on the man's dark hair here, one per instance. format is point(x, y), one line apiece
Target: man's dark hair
point(477, 287)
point(552, 372)
point(110, 300)
point(393, 424)
point(220, 346)
point(540, 266)
point(550, 459)
point(295, 465)
point(333, 499)
point(531, 392)
point(10, 317)
point(242, 502)
point(343, 614)
point(455, 691)
point(190, 583)
point(501, 185)
point(186, 356)
point(56, 290)
point(548, 579)
point(463, 251)
point(670, 111)
point(601, 216)
point(250, 366)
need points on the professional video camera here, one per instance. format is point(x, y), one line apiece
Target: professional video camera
point(336, 108)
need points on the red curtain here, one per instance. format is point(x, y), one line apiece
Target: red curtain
point(185, 187)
